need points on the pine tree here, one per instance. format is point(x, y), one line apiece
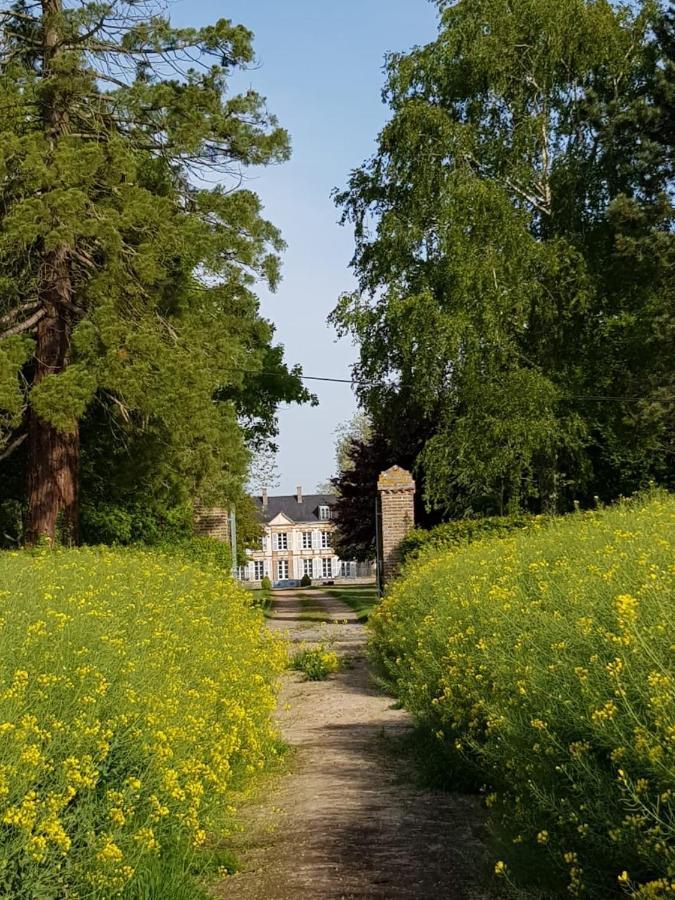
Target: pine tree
point(125, 279)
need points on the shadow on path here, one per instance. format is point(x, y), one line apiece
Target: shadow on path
point(349, 821)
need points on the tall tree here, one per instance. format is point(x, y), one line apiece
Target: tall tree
point(355, 488)
point(358, 428)
point(363, 459)
point(362, 455)
point(125, 280)
point(506, 290)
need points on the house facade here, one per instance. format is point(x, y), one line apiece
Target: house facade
point(297, 541)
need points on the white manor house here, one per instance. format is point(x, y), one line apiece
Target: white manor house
point(297, 541)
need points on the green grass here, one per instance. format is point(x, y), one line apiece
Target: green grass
point(361, 598)
point(311, 611)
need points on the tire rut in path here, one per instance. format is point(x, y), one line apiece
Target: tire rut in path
point(348, 821)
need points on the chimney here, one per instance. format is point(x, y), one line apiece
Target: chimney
point(264, 498)
point(298, 493)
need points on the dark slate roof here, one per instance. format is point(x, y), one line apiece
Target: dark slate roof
point(307, 511)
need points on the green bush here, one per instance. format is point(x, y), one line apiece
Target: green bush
point(135, 523)
point(206, 552)
point(317, 663)
point(136, 695)
point(266, 584)
point(305, 581)
point(464, 531)
point(544, 661)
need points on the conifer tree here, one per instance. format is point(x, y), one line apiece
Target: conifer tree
point(126, 276)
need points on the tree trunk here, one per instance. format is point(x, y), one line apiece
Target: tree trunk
point(53, 455)
point(52, 484)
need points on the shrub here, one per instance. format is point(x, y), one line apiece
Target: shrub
point(143, 521)
point(266, 584)
point(135, 698)
point(305, 581)
point(204, 552)
point(544, 661)
point(316, 662)
point(464, 531)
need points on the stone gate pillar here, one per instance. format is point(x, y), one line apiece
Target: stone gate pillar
point(213, 522)
point(396, 489)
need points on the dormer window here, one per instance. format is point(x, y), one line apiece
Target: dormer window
point(324, 513)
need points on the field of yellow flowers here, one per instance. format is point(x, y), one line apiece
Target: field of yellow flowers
point(135, 698)
point(543, 662)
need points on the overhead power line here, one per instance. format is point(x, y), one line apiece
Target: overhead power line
point(333, 380)
point(356, 382)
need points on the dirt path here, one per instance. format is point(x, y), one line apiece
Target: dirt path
point(348, 821)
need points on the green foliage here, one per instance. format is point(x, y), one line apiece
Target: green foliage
point(263, 598)
point(136, 523)
point(249, 527)
point(514, 249)
point(62, 399)
point(14, 351)
point(317, 663)
point(167, 531)
point(541, 661)
point(202, 552)
point(464, 531)
point(112, 238)
point(305, 581)
point(356, 429)
point(109, 524)
point(137, 700)
point(509, 422)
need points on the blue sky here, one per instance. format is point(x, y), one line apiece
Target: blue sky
point(320, 67)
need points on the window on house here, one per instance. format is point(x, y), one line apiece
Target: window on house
point(324, 513)
point(282, 569)
point(242, 573)
point(326, 539)
point(258, 570)
point(327, 568)
point(281, 540)
point(348, 569)
point(306, 540)
point(308, 567)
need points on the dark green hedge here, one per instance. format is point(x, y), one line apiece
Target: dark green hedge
point(464, 531)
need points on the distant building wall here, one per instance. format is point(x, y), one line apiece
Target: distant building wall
point(297, 540)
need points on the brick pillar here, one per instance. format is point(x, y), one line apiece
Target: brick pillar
point(397, 517)
point(213, 522)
